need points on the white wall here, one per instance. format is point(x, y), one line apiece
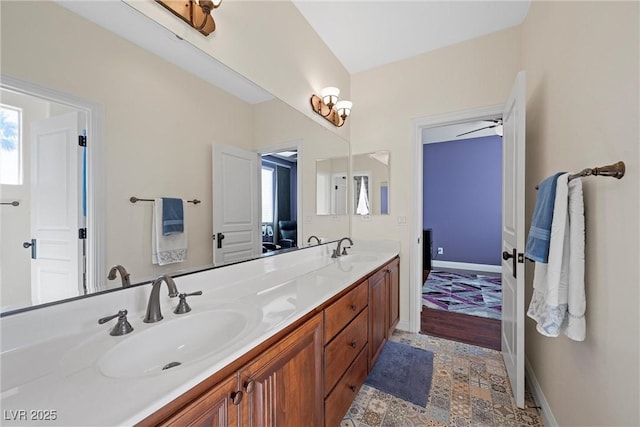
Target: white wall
point(470, 74)
point(582, 62)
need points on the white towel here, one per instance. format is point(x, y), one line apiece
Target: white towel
point(558, 302)
point(171, 248)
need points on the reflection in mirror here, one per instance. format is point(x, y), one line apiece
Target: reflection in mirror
point(156, 125)
point(331, 186)
point(371, 183)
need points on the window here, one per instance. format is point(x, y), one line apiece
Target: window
point(267, 195)
point(10, 145)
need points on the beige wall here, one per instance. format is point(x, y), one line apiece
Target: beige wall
point(475, 73)
point(582, 69)
point(271, 44)
point(159, 123)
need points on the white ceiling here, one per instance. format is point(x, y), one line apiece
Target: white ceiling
point(366, 34)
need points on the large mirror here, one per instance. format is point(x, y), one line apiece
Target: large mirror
point(151, 127)
point(371, 183)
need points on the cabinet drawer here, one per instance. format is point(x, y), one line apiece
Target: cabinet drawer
point(339, 400)
point(341, 312)
point(344, 348)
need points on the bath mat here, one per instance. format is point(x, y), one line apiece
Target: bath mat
point(404, 372)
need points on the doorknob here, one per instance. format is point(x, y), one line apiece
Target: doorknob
point(506, 255)
point(31, 245)
point(219, 238)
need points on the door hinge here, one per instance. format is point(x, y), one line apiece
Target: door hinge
point(82, 140)
point(82, 233)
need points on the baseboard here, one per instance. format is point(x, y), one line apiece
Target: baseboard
point(545, 410)
point(403, 325)
point(468, 266)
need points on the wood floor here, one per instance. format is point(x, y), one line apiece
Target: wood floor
point(473, 330)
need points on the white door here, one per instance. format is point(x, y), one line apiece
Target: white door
point(339, 199)
point(513, 237)
point(236, 204)
point(55, 208)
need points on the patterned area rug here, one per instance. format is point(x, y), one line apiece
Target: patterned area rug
point(473, 293)
point(469, 388)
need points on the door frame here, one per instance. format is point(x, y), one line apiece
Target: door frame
point(415, 245)
point(291, 145)
point(96, 217)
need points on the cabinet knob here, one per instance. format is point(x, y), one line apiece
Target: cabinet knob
point(249, 386)
point(236, 397)
point(353, 388)
point(353, 307)
point(353, 344)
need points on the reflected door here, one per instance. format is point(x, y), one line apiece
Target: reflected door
point(55, 208)
point(236, 204)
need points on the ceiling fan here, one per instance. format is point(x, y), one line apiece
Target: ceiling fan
point(495, 123)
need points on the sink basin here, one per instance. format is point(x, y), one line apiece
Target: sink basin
point(181, 341)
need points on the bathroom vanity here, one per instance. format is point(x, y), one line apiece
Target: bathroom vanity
point(285, 340)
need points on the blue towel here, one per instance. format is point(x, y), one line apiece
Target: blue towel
point(537, 247)
point(172, 216)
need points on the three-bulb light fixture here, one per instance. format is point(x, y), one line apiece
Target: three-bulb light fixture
point(196, 13)
point(330, 107)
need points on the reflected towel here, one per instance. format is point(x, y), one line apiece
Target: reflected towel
point(537, 247)
point(166, 249)
point(172, 216)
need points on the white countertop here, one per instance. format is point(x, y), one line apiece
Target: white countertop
point(50, 357)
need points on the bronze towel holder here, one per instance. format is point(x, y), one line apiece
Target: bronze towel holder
point(615, 170)
point(135, 199)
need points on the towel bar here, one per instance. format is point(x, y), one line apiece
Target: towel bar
point(135, 199)
point(615, 170)
point(14, 203)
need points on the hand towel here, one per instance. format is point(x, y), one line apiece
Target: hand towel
point(172, 216)
point(166, 249)
point(537, 246)
point(558, 301)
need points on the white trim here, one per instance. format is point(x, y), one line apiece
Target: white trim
point(403, 325)
point(545, 410)
point(286, 146)
point(415, 250)
point(468, 266)
point(96, 218)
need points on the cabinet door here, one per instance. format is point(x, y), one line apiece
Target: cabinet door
point(393, 271)
point(283, 386)
point(217, 407)
point(378, 310)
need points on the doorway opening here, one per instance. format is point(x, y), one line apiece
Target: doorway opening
point(462, 228)
point(51, 239)
point(280, 225)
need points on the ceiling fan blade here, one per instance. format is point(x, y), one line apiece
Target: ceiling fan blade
point(477, 130)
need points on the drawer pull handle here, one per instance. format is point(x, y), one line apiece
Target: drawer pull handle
point(236, 397)
point(353, 307)
point(353, 388)
point(249, 386)
point(353, 344)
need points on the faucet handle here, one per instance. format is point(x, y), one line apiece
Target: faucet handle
point(182, 306)
point(122, 327)
point(344, 250)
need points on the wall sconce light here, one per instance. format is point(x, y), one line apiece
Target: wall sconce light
point(196, 13)
point(328, 106)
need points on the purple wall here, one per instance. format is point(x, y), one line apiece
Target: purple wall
point(462, 185)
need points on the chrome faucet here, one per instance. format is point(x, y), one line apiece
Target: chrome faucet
point(336, 251)
point(313, 237)
point(153, 308)
point(124, 275)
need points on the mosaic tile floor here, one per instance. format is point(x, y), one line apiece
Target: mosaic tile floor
point(473, 293)
point(469, 388)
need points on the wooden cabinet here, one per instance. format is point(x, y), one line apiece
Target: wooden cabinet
point(393, 275)
point(384, 307)
point(218, 407)
point(338, 401)
point(283, 387)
